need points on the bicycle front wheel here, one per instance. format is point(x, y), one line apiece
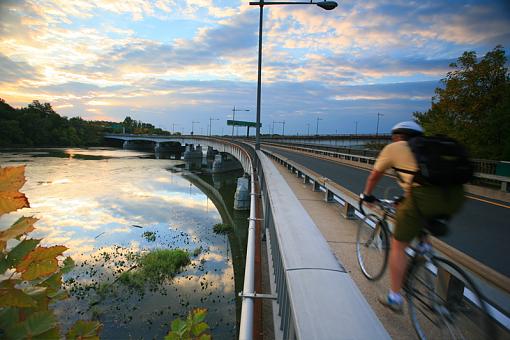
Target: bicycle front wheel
point(444, 303)
point(372, 246)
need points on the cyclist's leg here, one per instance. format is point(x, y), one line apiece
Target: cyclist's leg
point(408, 225)
point(398, 264)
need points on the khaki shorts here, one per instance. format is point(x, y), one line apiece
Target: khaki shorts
point(433, 202)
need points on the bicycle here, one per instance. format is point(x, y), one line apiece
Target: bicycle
point(443, 301)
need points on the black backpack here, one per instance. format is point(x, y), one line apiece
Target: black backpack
point(441, 161)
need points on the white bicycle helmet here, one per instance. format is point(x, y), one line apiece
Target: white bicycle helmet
point(407, 128)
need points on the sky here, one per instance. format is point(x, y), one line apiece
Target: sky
point(171, 63)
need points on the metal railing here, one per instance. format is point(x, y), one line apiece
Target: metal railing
point(311, 286)
point(496, 284)
point(484, 169)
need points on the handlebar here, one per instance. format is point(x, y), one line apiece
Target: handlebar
point(387, 205)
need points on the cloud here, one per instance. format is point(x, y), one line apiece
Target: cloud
point(15, 71)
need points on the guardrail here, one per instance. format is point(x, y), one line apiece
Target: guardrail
point(368, 161)
point(497, 285)
point(311, 285)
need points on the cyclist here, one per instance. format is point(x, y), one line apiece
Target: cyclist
point(421, 202)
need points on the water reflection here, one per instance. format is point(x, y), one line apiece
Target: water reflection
point(102, 204)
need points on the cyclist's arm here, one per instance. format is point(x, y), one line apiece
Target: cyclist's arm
point(384, 161)
point(372, 181)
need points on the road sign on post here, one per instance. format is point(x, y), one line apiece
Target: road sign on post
point(243, 123)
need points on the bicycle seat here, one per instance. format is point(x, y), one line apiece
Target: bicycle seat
point(437, 226)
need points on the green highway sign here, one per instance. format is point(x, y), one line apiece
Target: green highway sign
point(242, 123)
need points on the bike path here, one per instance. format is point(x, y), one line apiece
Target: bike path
point(481, 229)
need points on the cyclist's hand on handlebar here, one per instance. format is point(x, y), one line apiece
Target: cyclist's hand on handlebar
point(367, 198)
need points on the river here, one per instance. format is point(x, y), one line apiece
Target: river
point(109, 206)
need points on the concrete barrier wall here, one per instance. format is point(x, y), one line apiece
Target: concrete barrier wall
point(316, 298)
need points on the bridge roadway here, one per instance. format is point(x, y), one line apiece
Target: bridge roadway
point(481, 230)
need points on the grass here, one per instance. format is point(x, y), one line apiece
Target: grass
point(155, 267)
point(222, 228)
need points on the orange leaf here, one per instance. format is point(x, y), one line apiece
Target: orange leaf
point(22, 226)
point(40, 262)
point(12, 201)
point(12, 178)
point(40, 268)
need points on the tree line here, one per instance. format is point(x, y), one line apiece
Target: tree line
point(473, 105)
point(38, 125)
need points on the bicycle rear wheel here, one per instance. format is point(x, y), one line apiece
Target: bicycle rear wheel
point(372, 246)
point(445, 304)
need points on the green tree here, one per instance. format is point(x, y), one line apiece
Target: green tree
point(473, 105)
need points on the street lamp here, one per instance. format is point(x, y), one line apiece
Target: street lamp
point(327, 5)
point(317, 129)
point(308, 128)
point(234, 110)
point(210, 124)
point(193, 126)
point(377, 128)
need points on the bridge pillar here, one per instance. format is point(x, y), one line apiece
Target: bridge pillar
point(211, 152)
point(193, 157)
point(242, 195)
point(223, 162)
point(157, 147)
point(125, 144)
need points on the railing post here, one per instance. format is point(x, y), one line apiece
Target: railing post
point(329, 196)
point(348, 211)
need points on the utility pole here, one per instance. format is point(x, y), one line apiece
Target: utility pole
point(283, 129)
point(356, 129)
point(210, 124)
point(317, 128)
point(308, 129)
point(377, 129)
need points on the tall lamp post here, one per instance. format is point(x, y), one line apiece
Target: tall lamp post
point(234, 110)
point(317, 129)
point(193, 125)
point(377, 128)
point(210, 124)
point(327, 5)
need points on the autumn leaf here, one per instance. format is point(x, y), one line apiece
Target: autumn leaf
point(84, 330)
point(36, 324)
point(12, 201)
point(40, 262)
point(22, 226)
point(19, 252)
point(12, 178)
point(10, 296)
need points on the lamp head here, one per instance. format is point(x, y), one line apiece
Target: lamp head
point(327, 5)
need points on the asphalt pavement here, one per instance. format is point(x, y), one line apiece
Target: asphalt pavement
point(481, 229)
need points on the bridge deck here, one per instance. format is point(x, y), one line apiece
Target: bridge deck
point(341, 236)
point(480, 230)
